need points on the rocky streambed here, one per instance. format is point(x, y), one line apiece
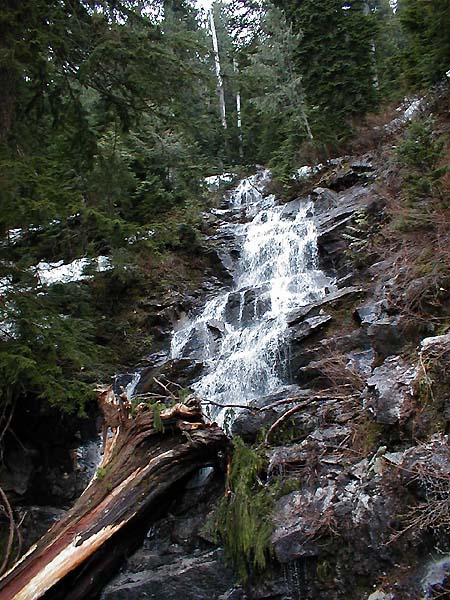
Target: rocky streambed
point(304, 348)
point(363, 457)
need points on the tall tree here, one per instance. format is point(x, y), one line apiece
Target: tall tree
point(336, 62)
point(426, 25)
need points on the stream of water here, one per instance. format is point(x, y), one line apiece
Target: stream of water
point(241, 334)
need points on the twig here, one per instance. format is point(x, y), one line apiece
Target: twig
point(284, 417)
point(171, 394)
point(304, 400)
point(9, 514)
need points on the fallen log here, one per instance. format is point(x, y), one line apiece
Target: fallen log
point(142, 464)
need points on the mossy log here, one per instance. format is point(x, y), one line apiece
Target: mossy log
point(141, 470)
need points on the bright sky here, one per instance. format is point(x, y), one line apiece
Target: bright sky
point(204, 3)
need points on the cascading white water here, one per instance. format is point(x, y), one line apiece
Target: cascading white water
point(241, 334)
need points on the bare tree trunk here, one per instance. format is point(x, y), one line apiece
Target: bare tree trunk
point(238, 111)
point(373, 48)
point(220, 89)
point(141, 466)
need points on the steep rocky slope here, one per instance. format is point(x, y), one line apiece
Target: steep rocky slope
point(353, 454)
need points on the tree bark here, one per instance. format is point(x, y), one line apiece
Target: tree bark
point(220, 88)
point(142, 465)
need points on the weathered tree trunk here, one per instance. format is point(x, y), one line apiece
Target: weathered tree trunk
point(220, 88)
point(141, 466)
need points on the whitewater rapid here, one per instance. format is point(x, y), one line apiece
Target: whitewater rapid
point(241, 334)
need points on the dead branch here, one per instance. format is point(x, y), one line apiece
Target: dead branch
point(165, 388)
point(11, 524)
point(284, 417)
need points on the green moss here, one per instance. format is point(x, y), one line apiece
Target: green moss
point(244, 515)
point(102, 472)
point(324, 571)
point(157, 408)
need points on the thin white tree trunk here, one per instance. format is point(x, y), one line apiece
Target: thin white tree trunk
point(220, 90)
point(376, 84)
point(238, 111)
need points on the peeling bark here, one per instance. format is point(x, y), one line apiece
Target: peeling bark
point(141, 466)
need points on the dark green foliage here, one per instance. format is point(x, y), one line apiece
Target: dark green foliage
point(244, 515)
point(98, 156)
point(45, 353)
point(389, 47)
point(420, 155)
point(336, 62)
point(426, 26)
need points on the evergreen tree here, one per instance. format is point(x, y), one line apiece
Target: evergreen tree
point(389, 46)
point(426, 25)
point(335, 60)
point(274, 91)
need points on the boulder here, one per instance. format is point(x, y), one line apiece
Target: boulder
point(200, 577)
point(386, 334)
point(334, 298)
point(309, 326)
point(249, 423)
point(182, 371)
point(243, 306)
point(299, 518)
point(390, 391)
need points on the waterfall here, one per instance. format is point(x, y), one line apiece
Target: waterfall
point(241, 334)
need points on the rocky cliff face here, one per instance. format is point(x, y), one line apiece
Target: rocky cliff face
point(354, 438)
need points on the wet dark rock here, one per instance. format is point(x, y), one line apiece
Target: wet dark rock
point(37, 520)
point(362, 361)
point(309, 326)
point(17, 469)
point(233, 307)
point(197, 342)
point(298, 523)
point(182, 371)
point(249, 423)
point(369, 313)
point(224, 261)
point(243, 306)
point(332, 299)
point(387, 334)
point(201, 577)
point(177, 559)
point(290, 209)
point(332, 220)
point(217, 327)
point(156, 359)
point(363, 164)
point(389, 395)
point(324, 199)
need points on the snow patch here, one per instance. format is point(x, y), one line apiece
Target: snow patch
point(215, 181)
point(146, 235)
point(306, 172)
point(409, 109)
point(58, 272)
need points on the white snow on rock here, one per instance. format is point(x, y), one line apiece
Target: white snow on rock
point(215, 181)
point(412, 109)
point(5, 284)
point(306, 171)
point(408, 110)
point(59, 272)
